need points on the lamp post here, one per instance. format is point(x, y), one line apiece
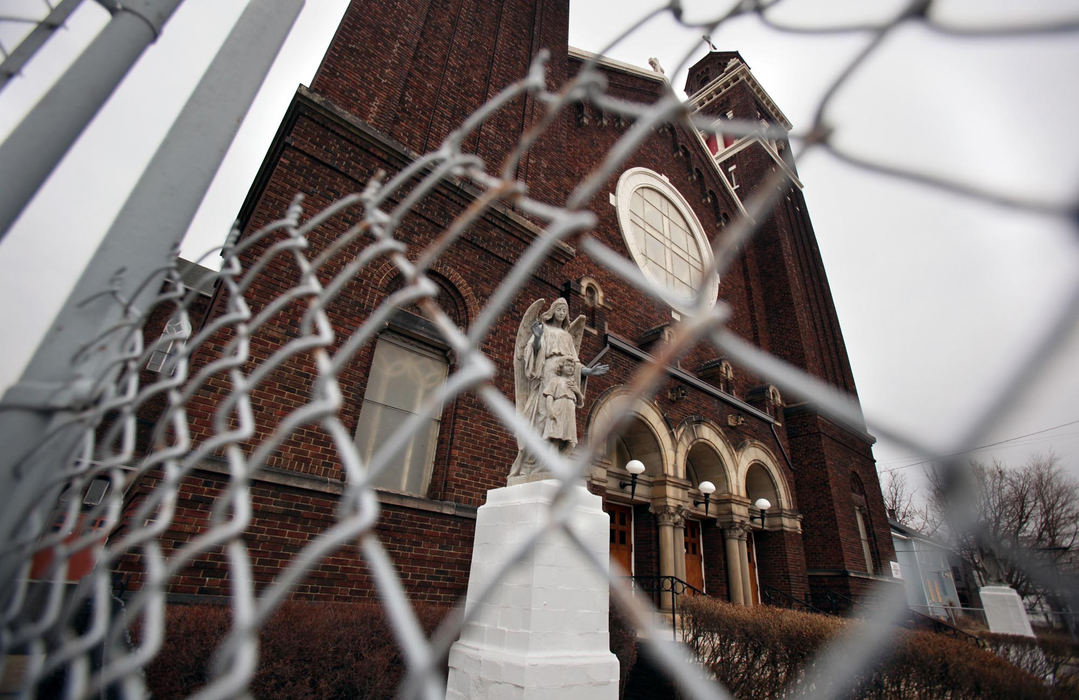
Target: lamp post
point(707, 488)
point(761, 504)
point(635, 467)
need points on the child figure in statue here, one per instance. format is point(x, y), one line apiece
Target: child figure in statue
point(562, 397)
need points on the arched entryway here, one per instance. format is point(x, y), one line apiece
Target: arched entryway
point(636, 441)
point(703, 463)
point(759, 485)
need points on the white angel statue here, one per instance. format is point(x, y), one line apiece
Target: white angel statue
point(544, 342)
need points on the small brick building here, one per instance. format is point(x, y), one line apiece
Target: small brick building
point(397, 78)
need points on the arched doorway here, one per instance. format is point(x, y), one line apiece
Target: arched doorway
point(636, 442)
point(703, 463)
point(759, 484)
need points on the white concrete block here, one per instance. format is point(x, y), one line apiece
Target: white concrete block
point(543, 631)
point(1004, 611)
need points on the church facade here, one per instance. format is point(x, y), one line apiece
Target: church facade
point(397, 78)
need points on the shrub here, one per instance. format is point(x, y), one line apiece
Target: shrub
point(192, 632)
point(1048, 657)
point(306, 650)
point(768, 652)
point(623, 645)
point(754, 650)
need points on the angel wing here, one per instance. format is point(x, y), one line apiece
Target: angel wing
point(576, 331)
point(524, 337)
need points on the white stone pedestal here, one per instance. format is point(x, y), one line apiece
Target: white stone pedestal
point(543, 631)
point(1004, 611)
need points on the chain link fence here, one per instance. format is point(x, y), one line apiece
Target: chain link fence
point(65, 614)
point(24, 28)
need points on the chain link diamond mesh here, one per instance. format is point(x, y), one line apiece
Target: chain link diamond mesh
point(104, 642)
point(22, 32)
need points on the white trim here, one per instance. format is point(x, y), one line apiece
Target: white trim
point(636, 178)
point(615, 64)
point(722, 83)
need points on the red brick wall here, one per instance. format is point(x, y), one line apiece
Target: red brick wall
point(781, 562)
point(432, 551)
point(397, 78)
point(415, 70)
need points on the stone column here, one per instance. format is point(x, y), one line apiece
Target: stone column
point(669, 517)
point(743, 557)
point(736, 562)
point(680, 548)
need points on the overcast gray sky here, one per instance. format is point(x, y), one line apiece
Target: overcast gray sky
point(939, 296)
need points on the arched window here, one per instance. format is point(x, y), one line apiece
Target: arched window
point(404, 374)
point(862, 523)
point(449, 299)
point(663, 234)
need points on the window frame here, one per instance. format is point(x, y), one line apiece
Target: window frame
point(629, 183)
point(861, 523)
point(411, 333)
point(163, 353)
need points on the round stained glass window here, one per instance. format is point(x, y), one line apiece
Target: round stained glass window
point(663, 235)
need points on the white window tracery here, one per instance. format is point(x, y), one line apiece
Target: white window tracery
point(403, 375)
point(663, 235)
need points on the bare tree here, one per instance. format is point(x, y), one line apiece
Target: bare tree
point(1022, 525)
point(903, 503)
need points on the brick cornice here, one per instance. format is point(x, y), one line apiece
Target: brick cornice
point(828, 427)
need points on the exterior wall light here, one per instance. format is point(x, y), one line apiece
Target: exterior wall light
point(761, 504)
point(635, 467)
point(707, 488)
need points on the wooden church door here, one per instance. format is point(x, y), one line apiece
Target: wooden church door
point(694, 560)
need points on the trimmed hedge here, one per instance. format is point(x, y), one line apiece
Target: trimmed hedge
point(336, 650)
point(1049, 657)
point(306, 650)
point(767, 652)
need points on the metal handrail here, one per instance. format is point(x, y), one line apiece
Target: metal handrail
point(774, 596)
point(940, 626)
point(657, 586)
point(914, 620)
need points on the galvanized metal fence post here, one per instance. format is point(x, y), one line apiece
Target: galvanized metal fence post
point(13, 62)
point(65, 369)
point(42, 138)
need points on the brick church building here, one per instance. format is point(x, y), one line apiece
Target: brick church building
point(397, 78)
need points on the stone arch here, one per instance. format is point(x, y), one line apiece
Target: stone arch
point(758, 470)
point(694, 441)
point(856, 486)
point(591, 291)
point(645, 435)
point(452, 285)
